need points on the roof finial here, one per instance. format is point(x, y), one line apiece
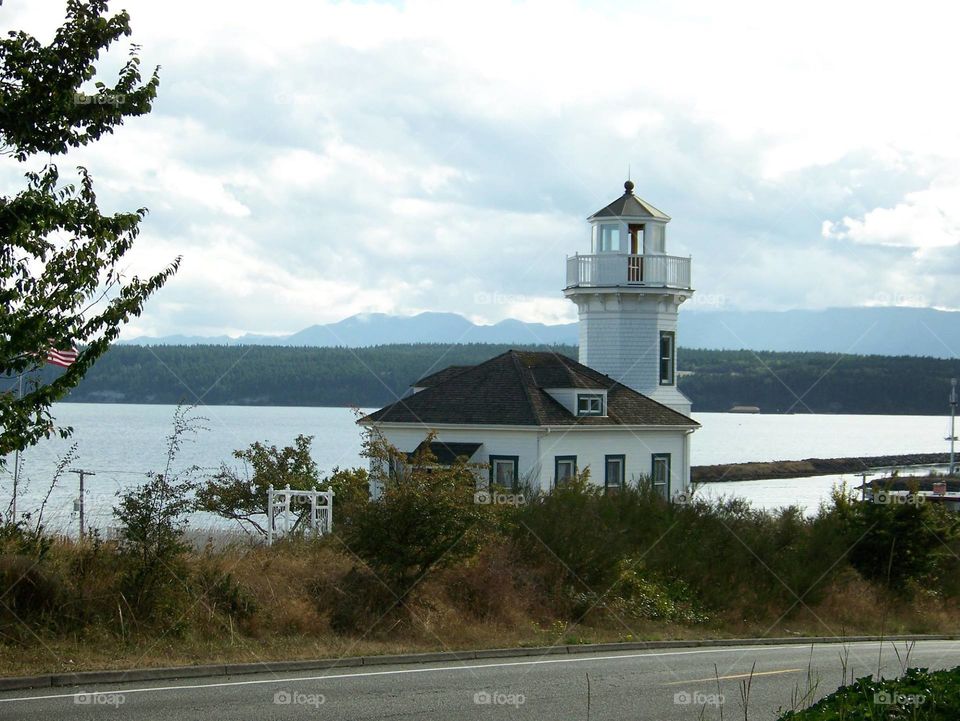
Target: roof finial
point(628, 187)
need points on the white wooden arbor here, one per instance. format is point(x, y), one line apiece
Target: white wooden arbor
point(278, 504)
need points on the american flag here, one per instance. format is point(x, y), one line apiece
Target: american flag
point(62, 358)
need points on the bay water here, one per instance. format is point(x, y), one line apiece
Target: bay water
point(121, 443)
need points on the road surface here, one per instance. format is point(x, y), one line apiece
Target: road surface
point(660, 685)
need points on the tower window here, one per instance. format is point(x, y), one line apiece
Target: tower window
point(608, 238)
point(667, 357)
point(589, 404)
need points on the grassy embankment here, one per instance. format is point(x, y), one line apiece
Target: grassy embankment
point(426, 569)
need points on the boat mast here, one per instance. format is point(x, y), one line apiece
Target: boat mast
point(953, 419)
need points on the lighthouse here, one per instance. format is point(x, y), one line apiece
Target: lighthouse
point(628, 293)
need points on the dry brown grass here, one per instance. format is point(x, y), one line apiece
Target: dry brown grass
point(297, 593)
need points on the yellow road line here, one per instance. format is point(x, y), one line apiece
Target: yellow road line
point(733, 677)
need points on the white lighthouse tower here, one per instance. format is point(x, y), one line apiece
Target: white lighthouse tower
point(628, 292)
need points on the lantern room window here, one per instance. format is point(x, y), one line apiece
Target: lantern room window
point(606, 238)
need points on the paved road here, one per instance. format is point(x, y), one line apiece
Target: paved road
point(658, 685)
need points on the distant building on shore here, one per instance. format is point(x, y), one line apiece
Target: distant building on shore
point(535, 419)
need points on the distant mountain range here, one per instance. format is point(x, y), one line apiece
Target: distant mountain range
point(866, 331)
point(370, 329)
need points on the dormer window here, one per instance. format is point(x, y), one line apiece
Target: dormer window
point(589, 404)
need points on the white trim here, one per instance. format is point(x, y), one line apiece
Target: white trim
point(533, 429)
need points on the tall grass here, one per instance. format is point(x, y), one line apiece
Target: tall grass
point(574, 565)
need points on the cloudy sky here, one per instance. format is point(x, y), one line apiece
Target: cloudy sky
point(312, 160)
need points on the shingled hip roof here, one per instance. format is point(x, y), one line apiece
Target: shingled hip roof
point(510, 389)
point(629, 205)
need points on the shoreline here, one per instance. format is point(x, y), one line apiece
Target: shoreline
point(808, 467)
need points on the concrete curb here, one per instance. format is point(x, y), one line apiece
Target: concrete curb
point(82, 678)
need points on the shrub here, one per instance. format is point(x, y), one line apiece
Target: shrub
point(152, 519)
point(29, 592)
point(222, 593)
point(637, 594)
point(496, 586)
point(357, 603)
point(351, 493)
point(576, 530)
point(424, 518)
point(243, 498)
point(920, 695)
point(897, 544)
point(19, 538)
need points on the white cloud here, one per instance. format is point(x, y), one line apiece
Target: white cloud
point(925, 219)
point(318, 159)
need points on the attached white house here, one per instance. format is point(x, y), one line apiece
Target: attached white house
point(535, 418)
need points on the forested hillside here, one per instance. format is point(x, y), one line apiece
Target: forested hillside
point(817, 382)
point(263, 375)
point(366, 377)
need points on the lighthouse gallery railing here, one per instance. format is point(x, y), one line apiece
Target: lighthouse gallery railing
point(612, 269)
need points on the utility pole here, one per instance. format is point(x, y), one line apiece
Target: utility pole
point(953, 420)
point(82, 474)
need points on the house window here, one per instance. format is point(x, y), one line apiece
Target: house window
point(614, 472)
point(589, 404)
point(667, 340)
point(564, 468)
point(503, 471)
point(660, 473)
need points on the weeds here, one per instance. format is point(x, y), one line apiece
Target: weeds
point(424, 565)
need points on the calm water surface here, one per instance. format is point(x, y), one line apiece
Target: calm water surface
point(120, 443)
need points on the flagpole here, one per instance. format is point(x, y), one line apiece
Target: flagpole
point(16, 459)
point(57, 357)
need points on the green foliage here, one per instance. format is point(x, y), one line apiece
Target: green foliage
point(351, 493)
point(29, 591)
point(60, 281)
point(709, 556)
point(244, 498)
point(151, 522)
point(358, 603)
point(223, 594)
point(279, 376)
point(42, 107)
point(22, 539)
point(588, 544)
point(919, 695)
point(424, 518)
point(826, 382)
point(897, 544)
point(637, 594)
